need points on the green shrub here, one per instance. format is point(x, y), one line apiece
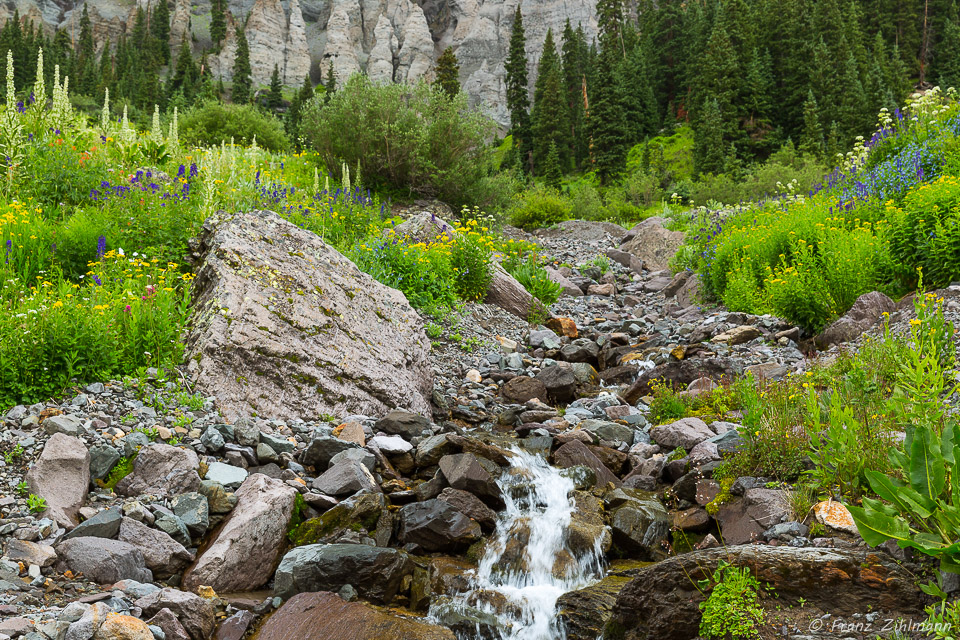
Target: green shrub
point(413, 139)
point(732, 610)
point(470, 254)
point(924, 232)
point(423, 275)
point(534, 279)
point(540, 207)
point(211, 123)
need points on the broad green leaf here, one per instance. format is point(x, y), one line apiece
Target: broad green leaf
point(887, 488)
point(948, 443)
point(926, 464)
point(920, 506)
point(875, 505)
point(876, 528)
point(950, 563)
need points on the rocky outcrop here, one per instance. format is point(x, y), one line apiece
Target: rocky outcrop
point(287, 327)
point(662, 601)
point(867, 311)
point(653, 243)
point(60, 476)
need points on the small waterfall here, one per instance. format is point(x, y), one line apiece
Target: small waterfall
point(527, 564)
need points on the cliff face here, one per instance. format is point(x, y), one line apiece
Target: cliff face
point(390, 40)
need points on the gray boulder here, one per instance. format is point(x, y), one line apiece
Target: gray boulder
point(196, 614)
point(193, 511)
point(435, 525)
point(685, 432)
point(102, 459)
point(64, 424)
point(403, 423)
point(162, 469)
point(102, 560)
point(323, 449)
point(162, 554)
point(639, 522)
point(375, 572)
point(61, 476)
point(463, 471)
point(298, 330)
point(106, 524)
point(866, 312)
point(345, 479)
point(653, 243)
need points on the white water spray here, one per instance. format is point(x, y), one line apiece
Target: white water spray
point(527, 564)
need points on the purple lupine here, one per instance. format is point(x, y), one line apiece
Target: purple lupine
point(101, 247)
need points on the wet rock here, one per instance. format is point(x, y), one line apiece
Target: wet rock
point(470, 506)
point(247, 547)
point(435, 525)
point(195, 613)
point(639, 522)
point(585, 612)
point(522, 388)
point(867, 311)
point(102, 560)
point(662, 601)
point(694, 519)
point(61, 476)
point(463, 471)
point(162, 469)
point(576, 453)
point(376, 573)
point(325, 616)
point(559, 383)
point(347, 344)
point(162, 554)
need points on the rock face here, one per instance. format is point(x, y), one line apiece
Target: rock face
point(662, 600)
point(325, 616)
point(61, 476)
point(246, 550)
point(287, 327)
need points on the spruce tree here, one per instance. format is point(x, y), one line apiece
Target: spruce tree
point(811, 141)
point(275, 96)
point(242, 83)
point(549, 115)
point(552, 173)
point(709, 148)
point(160, 30)
point(185, 75)
point(606, 119)
point(447, 73)
point(948, 56)
point(218, 23)
point(518, 89)
point(330, 84)
point(86, 71)
point(573, 62)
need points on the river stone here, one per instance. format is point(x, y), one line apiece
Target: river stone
point(575, 453)
point(102, 459)
point(122, 627)
point(247, 546)
point(640, 525)
point(685, 433)
point(61, 476)
point(376, 573)
point(163, 470)
point(403, 423)
point(64, 424)
point(196, 614)
point(745, 519)
point(162, 554)
point(226, 475)
point(102, 560)
point(470, 506)
point(326, 616)
point(662, 601)
point(193, 511)
point(287, 327)
point(435, 525)
point(105, 524)
point(29, 553)
point(463, 471)
point(653, 243)
point(346, 478)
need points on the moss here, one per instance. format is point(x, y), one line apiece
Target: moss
point(723, 496)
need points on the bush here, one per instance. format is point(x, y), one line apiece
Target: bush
point(924, 232)
point(732, 610)
point(540, 207)
point(470, 254)
point(411, 138)
point(211, 123)
point(534, 279)
point(421, 272)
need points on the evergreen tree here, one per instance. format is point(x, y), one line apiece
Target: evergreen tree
point(606, 121)
point(811, 142)
point(518, 91)
point(948, 56)
point(835, 146)
point(330, 84)
point(275, 96)
point(552, 174)
point(160, 30)
point(242, 83)
point(709, 148)
point(640, 106)
point(105, 74)
point(574, 53)
point(447, 73)
point(185, 75)
point(86, 70)
point(853, 112)
point(218, 23)
point(756, 108)
point(549, 115)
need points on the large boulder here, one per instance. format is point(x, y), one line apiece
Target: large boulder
point(639, 522)
point(436, 525)
point(346, 478)
point(375, 572)
point(61, 476)
point(247, 547)
point(162, 554)
point(662, 601)
point(102, 560)
point(286, 327)
point(162, 469)
point(679, 374)
point(196, 614)
point(867, 311)
point(576, 453)
point(745, 519)
point(653, 243)
point(505, 292)
point(685, 433)
point(325, 616)
point(463, 471)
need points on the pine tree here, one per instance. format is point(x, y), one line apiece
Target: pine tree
point(709, 148)
point(835, 146)
point(552, 173)
point(185, 75)
point(218, 23)
point(549, 115)
point(447, 73)
point(853, 112)
point(518, 89)
point(242, 83)
point(330, 84)
point(574, 52)
point(948, 56)
point(811, 142)
point(86, 70)
point(275, 96)
point(160, 30)
point(640, 106)
point(606, 120)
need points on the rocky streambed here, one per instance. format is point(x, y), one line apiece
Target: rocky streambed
point(321, 471)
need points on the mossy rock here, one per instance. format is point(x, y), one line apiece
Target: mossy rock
point(358, 514)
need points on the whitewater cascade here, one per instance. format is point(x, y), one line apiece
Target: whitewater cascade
point(527, 565)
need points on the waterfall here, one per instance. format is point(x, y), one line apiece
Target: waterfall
point(527, 564)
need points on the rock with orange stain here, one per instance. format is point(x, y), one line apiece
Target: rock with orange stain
point(351, 432)
point(563, 327)
point(121, 627)
point(836, 516)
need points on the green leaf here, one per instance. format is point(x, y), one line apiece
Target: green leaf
point(887, 488)
point(926, 463)
point(876, 527)
point(948, 443)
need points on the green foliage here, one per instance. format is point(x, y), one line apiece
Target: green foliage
point(13, 455)
point(121, 470)
point(36, 504)
point(425, 277)
point(447, 73)
point(211, 123)
point(470, 254)
point(518, 88)
point(242, 83)
point(924, 232)
point(732, 610)
point(534, 279)
point(23, 488)
point(539, 207)
point(410, 138)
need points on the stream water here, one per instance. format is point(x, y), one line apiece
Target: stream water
point(528, 564)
